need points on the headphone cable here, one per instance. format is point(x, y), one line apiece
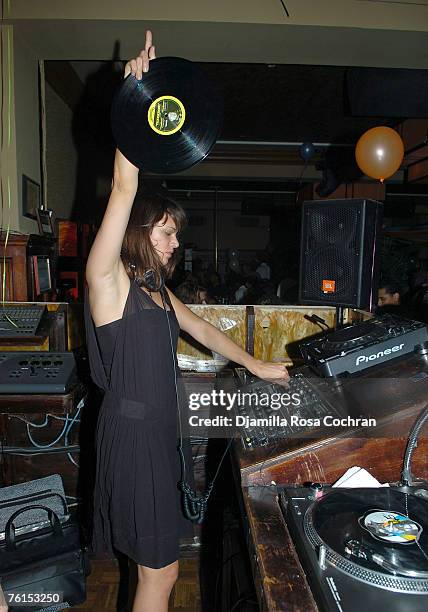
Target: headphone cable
point(194, 506)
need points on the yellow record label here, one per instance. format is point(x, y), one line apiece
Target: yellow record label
point(166, 115)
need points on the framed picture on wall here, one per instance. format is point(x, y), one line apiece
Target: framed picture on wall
point(30, 197)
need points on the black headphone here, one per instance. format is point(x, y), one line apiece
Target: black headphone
point(151, 281)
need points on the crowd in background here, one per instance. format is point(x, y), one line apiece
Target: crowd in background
point(246, 283)
point(255, 282)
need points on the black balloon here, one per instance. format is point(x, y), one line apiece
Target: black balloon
point(307, 150)
point(170, 119)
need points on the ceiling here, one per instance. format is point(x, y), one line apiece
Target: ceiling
point(269, 110)
point(281, 71)
point(275, 103)
point(399, 43)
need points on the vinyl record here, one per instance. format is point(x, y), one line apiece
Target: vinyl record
point(168, 121)
point(378, 536)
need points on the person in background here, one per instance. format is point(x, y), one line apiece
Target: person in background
point(389, 294)
point(391, 300)
point(249, 292)
point(192, 293)
point(241, 292)
point(263, 269)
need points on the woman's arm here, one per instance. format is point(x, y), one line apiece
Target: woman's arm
point(217, 341)
point(104, 259)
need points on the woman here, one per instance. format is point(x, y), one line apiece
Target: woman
point(137, 507)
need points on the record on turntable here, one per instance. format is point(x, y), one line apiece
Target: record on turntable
point(378, 536)
point(170, 119)
point(362, 549)
point(353, 336)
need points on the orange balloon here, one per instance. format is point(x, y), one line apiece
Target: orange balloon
point(379, 152)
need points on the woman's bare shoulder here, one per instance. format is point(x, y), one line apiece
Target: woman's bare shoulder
point(107, 297)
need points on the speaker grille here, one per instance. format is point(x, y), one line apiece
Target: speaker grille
point(330, 263)
point(335, 226)
point(338, 245)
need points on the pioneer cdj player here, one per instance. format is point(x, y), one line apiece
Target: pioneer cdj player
point(351, 349)
point(361, 549)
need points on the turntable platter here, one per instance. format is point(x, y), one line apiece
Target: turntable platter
point(378, 536)
point(352, 337)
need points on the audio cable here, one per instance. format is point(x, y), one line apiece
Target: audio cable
point(194, 505)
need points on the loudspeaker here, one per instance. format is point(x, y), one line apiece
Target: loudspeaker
point(339, 252)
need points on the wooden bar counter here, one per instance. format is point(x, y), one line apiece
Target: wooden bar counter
point(279, 578)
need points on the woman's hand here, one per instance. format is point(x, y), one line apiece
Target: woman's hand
point(267, 370)
point(141, 63)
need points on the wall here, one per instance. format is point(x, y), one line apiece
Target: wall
point(242, 232)
point(26, 90)
point(8, 177)
point(21, 142)
point(61, 156)
point(401, 15)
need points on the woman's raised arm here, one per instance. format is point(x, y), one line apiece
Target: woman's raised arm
point(104, 259)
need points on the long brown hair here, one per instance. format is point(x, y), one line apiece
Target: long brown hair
point(138, 252)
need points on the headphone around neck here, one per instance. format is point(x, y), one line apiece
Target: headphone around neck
point(150, 279)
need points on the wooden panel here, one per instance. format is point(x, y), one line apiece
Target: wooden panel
point(67, 238)
point(8, 287)
point(418, 155)
point(75, 326)
point(26, 345)
point(278, 327)
point(222, 317)
point(276, 567)
point(418, 171)
point(414, 133)
point(275, 327)
point(325, 461)
point(16, 253)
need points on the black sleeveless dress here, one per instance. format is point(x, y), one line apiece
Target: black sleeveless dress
point(137, 508)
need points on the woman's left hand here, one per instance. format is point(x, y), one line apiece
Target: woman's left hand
point(268, 370)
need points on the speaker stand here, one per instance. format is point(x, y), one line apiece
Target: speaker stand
point(339, 317)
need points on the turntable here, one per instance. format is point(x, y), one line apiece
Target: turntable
point(352, 337)
point(352, 349)
point(362, 549)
